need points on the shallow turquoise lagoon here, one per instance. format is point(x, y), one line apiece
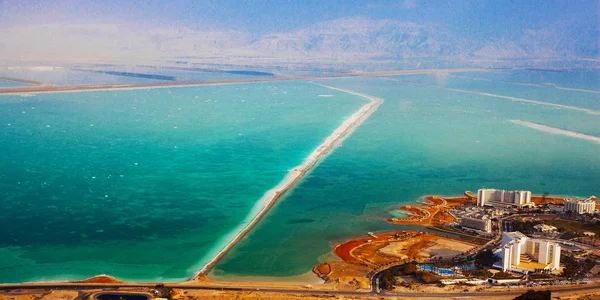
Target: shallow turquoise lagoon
point(553, 89)
point(526, 87)
point(4, 84)
point(421, 141)
point(145, 184)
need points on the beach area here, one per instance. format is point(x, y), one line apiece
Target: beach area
point(364, 256)
point(433, 210)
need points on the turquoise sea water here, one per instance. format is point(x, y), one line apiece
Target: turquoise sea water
point(144, 184)
point(151, 189)
point(515, 85)
point(421, 141)
point(10, 84)
point(512, 85)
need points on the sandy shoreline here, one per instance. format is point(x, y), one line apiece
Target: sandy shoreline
point(263, 205)
point(46, 88)
point(557, 131)
point(306, 278)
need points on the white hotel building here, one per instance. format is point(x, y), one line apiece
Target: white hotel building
point(522, 254)
point(580, 206)
point(502, 198)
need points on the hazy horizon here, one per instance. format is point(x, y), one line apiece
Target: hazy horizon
point(304, 31)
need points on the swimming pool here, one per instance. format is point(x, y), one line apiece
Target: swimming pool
point(439, 271)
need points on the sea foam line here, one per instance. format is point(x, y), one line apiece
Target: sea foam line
point(571, 89)
point(557, 130)
point(589, 111)
point(492, 80)
point(556, 86)
point(294, 175)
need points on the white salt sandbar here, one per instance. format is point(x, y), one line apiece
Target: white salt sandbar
point(589, 111)
point(557, 130)
point(263, 205)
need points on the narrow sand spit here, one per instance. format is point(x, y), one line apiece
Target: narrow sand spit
point(557, 131)
point(263, 205)
point(492, 80)
point(571, 89)
point(589, 111)
point(42, 87)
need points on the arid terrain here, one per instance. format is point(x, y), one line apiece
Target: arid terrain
point(364, 256)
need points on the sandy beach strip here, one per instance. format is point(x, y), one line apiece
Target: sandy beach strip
point(557, 131)
point(295, 174)
point(48, 88)
point(589, 111)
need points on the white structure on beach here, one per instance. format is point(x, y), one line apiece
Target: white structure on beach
point(493, 197)
point(482, 224)
point(580, 206)
point(522, 254)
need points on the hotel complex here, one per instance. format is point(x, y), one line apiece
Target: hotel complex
point(482, 224)
point(519, 253)
point(502, 198)
point(580, 206)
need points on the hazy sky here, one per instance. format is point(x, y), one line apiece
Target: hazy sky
point(473, 17)
point(30, 28)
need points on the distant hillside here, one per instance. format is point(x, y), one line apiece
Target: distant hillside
point(347, 40)
point(562, 40)
point(387, 39)
point(361, 38)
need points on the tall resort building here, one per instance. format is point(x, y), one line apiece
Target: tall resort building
point(580, 206)
point(522, 254)
point(502, 198)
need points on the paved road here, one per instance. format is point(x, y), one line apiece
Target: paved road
point(585, 288)
point(83, 286)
